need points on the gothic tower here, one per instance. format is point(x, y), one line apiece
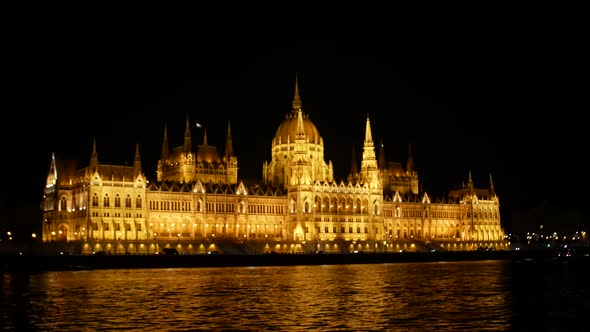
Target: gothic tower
point(284, 146)
point(369, 168)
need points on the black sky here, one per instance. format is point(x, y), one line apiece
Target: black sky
point(484, 87)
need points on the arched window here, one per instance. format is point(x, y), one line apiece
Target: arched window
point(306, 207)
point(95, 200)
point(117, 201)
point(106, 202)
point(63, 204)
point(138, 202)
point(128, 201)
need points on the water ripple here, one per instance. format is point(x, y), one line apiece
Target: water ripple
point(466, 296)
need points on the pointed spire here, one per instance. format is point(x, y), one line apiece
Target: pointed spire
point(492, 190)
point(229, 150)
point(165, 150)
point(187, 131)
point(137, 157)
point(94, 158)
point(470, 183)
point(381, 161)
point(188, 147)
point(368, 135)
point(136, 163)
point(410, 162)
point(204, 136)
point(52, 175)
point(53, 163)
point(369, 167)
point(296, 98)
point(300, 127)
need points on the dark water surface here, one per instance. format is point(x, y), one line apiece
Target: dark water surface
point(441, 296)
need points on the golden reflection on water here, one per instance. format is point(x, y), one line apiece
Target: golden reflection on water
point(405, 297)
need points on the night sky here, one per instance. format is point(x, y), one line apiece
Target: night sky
point(475, 86)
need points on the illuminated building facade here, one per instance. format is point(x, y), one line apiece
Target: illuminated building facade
point(198, 202)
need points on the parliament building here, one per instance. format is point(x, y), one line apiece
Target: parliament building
point(197, 203)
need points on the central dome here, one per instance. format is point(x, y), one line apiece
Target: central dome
point(288, 129)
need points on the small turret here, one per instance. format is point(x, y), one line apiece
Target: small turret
point(470, 185)
point(93, 166)
point(296, 97)
point(136, 163)
point(188, 147)
point(410, 163)
point(492, 190)
point(165, 149)
point(229, 150)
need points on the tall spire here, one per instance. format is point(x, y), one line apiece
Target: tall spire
point(136, 163)
point(301, 171)
point(300, 127)
point(368, 148)
point(470, 183)
point(410, 163)
point(296, 98)
point(368, 135)
point(165, 151)
point(204, 136)
point(94, 158)
point(229, 149)
point(52, 175)
point(369, 167)
point(492, 190)
point(188, 147)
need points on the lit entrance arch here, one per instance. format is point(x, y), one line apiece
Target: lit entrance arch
point(62, 233)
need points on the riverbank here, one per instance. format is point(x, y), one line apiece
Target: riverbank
point(91, 262)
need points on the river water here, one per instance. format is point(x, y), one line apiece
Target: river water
point(439, 296)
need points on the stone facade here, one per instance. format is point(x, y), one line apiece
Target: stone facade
point(198, 203)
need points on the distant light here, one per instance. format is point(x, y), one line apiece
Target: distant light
point(198, 124)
